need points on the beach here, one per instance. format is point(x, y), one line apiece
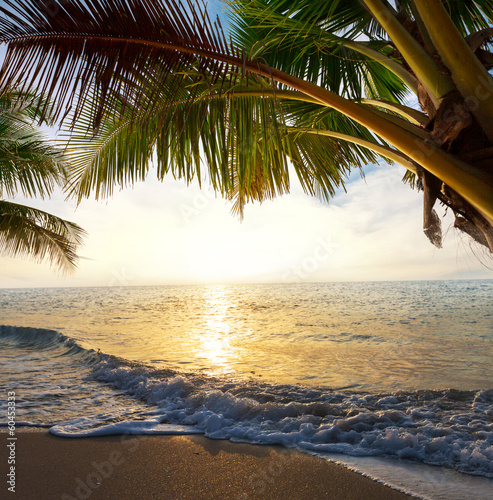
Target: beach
point(176, 467)
point(397, 388)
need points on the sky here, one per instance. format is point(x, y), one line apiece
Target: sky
point(169, 233)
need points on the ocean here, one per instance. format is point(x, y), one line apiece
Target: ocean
point(394, 379)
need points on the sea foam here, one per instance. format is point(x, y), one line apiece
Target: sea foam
point(447, 428)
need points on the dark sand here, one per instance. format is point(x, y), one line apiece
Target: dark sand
point(175, 467)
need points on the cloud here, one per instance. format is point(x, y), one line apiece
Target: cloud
point(159, 233)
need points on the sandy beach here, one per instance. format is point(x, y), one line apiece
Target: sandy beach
point(175, 467)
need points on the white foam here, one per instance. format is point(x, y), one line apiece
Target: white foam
point(84, 427)
point(424, 481)
point(452, 430)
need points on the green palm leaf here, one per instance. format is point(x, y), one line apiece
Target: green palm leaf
point(33, 167)
point(26, 231)
point(28, 163)
point(310, 48)
point(343, 16)
point(168, 62)
point(239, 138)
point(225, 130)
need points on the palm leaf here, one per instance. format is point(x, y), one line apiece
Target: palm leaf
point(222, 130)
point(243, 140)
point(28, 163)
point(337, 16)
point(31, 166)
point(26, 231)
point(310, 49)
point(470, 15)
point(98, 46)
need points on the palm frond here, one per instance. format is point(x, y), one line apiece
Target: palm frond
point(336, 16)
point(412, 179)
point(309, 48)
point(470, 15)
point(102, 47)
point(118, 155)
point(320, 164)
point(26, 231)
point(223, 130)
point(32, 166)
point(29, 164)
point(236, 137)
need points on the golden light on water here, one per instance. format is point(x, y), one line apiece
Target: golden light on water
point(215, 344)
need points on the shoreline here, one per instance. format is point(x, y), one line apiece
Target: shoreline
point(189, 467)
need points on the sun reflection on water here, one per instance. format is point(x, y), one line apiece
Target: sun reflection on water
point(215, 344)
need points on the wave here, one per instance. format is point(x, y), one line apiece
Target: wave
point(446, 427)
point(443, 427)
point(40, 339)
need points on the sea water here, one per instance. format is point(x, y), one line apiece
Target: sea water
point(394, 379)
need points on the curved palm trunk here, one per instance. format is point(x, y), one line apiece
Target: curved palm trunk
point(424, 67)
point(474, 185)
point(470, 76)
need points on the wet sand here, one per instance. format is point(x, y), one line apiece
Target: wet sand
point(175, 467)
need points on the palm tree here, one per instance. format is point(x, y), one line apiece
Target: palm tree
point(32, 167)
point(326, 85)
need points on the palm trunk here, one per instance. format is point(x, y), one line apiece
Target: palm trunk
point(471, 78)
point(424, 67)
point(474, 185)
